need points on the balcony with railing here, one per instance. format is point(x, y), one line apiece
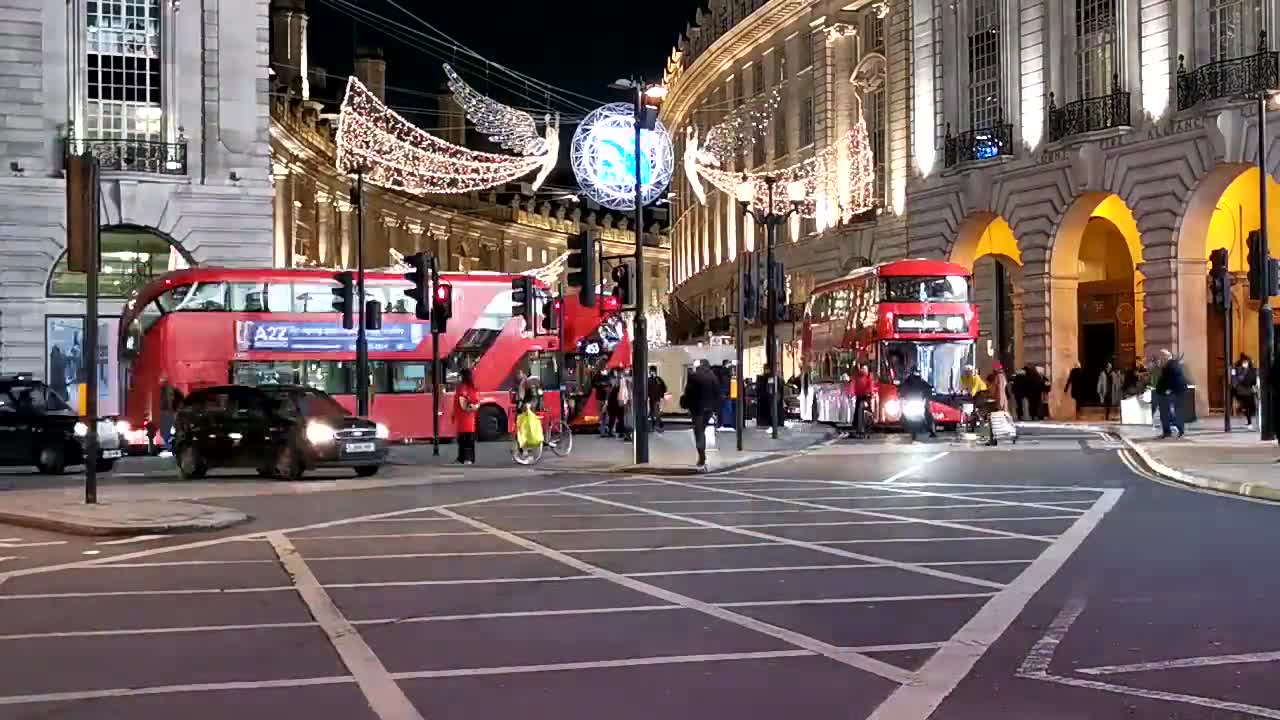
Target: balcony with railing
point(1235, 78)
point(993, 141)
point(1090, 114)
point(132, 155)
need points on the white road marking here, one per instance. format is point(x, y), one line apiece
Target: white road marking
point(468, 581)
point(809, 545)
point(130, 593)
point(764, 569)
point(852, 659)
point(857, 511)
point(254, 535)
point(171, 689)
point(179, 563)
point(1203, 661)
point(134, 539)
point(855, 600)
point(944, 671)
point(917, 466)
point(10, 557)
point(384, 696)
point(18, 544)
point(386, 536)
point(994, 501)
point(1036, 667)
point(158, 631)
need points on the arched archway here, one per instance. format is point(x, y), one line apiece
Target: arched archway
point(1221, 213)
point(131, 256)
point(1096, 304)
point(986, 245)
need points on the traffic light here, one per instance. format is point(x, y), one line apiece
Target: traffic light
point(778, 292)
point(420, 276)
point(522, 299)
point(1256, 265)
point(582, 267)
point(551, 314)
point(372, 315)
point(1220, 279)
point(442, 308)
point(750, 290)
point(344, 297)
point(622, 284)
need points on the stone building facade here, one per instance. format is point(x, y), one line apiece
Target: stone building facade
point(173, 101)
point(1098, 151)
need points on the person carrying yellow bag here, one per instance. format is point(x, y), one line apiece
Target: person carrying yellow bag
point(529, 429)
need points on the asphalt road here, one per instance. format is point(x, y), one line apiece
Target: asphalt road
point(1045, 580)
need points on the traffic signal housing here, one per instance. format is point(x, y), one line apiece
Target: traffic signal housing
point(778, 292)
point(1257, 265)
point(441, 308)
point(344, 297)
point(522, 299)
point(582, 267)
point(750, 290)
point(420, 276)
point(551, 314)
point(1220, 279)
point(622, 284)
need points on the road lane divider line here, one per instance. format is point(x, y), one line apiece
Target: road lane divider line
point(158, 631)
point(907, 491)
point(1190, 662)
point(74, 695)
point(943, 672)
point(852, 659)
point(131, 593)
point(914, 468)
point(385, 536)
point(467, 581)
point(603, 664)
point(855, 600)
point(131, 540)
point(910, 567)
point(871, 513)
point(200, 544)
point(385, 697)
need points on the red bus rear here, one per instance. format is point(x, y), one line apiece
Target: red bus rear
point(210, 326)
point(891, 317)
point(596, 341)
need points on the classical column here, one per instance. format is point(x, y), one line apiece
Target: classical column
point(1050, 323)
point(389, 223)
point(415, 230)
point(324, 228)
point(282, 255)
point(346, 233)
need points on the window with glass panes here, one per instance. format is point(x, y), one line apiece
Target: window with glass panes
point(873, 29)
point(757, 152)
point(737, 90)
point(807, 121)
point(123, 69)
point(757, 79)
point(780, 65)
point(1095, 47)
point(780, 132)
point(984, 64)
point(1233, 28)
point(806, 51)
point(875, 118)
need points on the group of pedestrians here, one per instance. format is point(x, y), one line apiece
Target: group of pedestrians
point(614, 390)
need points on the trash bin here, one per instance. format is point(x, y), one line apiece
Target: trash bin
point(1186, 407)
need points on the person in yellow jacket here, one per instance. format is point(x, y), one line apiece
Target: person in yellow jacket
point(971, 382)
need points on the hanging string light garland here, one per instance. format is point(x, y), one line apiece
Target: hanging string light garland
point(743, 127)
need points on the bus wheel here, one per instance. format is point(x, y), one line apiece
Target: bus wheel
point(491, 423)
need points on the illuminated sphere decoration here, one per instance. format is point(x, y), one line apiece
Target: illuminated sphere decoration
point(603, 157)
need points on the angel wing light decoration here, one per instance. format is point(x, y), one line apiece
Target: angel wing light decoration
point(513, 129)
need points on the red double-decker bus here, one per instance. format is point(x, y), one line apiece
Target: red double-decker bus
point(891, 317)
point(210, 326)
point(595, 341)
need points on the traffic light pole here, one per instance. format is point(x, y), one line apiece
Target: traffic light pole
point(362, 340)
point(1226, 376)
point(1266, 327)
point(771, 317)
point(640, 334)
point(562, 359)
point(740, 405)
point(435, 362)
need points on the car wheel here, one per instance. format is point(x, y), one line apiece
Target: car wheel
point(491, 423)
point(104, 466)
point(367, 470)
point(51, 460)
point(191, 464)
point(288, 464)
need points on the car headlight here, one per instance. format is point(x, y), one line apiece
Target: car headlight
point(383, 431)
point(81, 430)
point(893, 408)
point(122, 427)
point(967, 408)
point(319, 433)
point(913, 409)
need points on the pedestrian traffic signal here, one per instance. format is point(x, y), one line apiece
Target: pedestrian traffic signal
point(441, 308)
point(778, 291)
point(1220, 279)
point(750, 290)
point(522, 299)
point(1256, 265)
point(420, 276)
point(622, 284)
point(551, 314)
point(582, 267)
point(344, 297)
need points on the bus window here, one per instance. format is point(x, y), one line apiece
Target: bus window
point(949, 288)
point(197, 297)
point(410, 377)
point(312, 298)
point(248, 297)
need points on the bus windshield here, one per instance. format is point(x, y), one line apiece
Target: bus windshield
point(940, 363)
point(948, 288)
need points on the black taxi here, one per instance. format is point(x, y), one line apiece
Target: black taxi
point(38, 427)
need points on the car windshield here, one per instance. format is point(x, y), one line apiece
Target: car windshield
point(949, 288)
point(940, 363)
point(308, 403)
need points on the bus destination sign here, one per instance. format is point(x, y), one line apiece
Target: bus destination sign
point(268, 336)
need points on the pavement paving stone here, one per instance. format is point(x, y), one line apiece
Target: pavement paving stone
point(132, 612)
point(802, 687)
point(479, 567)
point(827, 583)
point(340, 701)
point(881, 623)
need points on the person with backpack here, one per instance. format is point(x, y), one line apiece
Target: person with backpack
point(701, 398)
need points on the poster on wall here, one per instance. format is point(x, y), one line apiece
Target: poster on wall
point(65, 366)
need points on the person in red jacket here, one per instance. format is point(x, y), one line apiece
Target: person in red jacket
point(863, 387)
point(465, 404)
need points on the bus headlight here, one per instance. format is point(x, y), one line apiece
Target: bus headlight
point(893, 408)
point(319, 433)
point(913, 409)
point(81, 430)
point(383, 432)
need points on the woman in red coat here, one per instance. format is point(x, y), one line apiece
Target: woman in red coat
point(465, 404)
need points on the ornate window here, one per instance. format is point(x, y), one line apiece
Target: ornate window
point(738, 98)
point(873, 29)
point(1096, 48)
point(131, 257)
point(984, 64)
point(807, 122)
point(757, 79)
point(806, 51)
point(780, 64)
point(1233, 28)
point(122, 63)
point(780, 132)
point(874, 112)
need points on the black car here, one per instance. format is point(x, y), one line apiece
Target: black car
point(38, 428)
point(280, 430)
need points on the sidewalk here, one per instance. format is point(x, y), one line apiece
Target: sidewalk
point(1238, 463)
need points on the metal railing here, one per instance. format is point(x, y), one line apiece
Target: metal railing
point(1234, 78)
point(128, 155)
point(981, 144)
point(1090, 114)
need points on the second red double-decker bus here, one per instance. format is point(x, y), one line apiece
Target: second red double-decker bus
point(210, 326)
point(891, 317)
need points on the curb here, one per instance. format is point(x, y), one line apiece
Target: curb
point(220, 520)
point(1230, 487)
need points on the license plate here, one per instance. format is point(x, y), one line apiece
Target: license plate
point(360, 447)
point(112, 454)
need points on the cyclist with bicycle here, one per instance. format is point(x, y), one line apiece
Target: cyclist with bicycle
point(972, 386)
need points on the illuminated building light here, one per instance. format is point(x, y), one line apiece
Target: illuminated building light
point(603, 157)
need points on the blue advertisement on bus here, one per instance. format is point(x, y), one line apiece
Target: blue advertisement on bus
point(311, 337)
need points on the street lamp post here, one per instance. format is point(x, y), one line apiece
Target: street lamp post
point(1266, 330)
point(770, 220)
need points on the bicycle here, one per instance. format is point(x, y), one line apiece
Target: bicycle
point(558, 436)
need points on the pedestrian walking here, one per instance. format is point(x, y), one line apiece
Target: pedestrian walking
point(1244, 386)
point(701, 397)
point(724, 378)
point(1169, 389)
point(626, 415)
point(169, 400)
point(657, 390)
point(1076, 388)
point(998, 388)
point(466, 401)
point(603, 385)
point(1108, 387)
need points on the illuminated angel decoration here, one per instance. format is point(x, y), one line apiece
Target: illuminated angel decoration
point(513, 129)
